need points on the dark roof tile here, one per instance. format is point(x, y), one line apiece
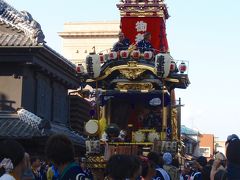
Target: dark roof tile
point(188, 131)
point(75, 137)
point(6, 40)
point(20, 21)
point(15, 128)
point(2, 38)
point(16, 40)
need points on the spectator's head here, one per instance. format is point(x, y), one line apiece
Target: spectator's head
point(232, 151)
point(202, 161)
point(148, 168)
point(59, 149)
point(220, 156)
point(118, 167)
point(230, 138)
point(136, 167)
point(147, 36)
point(12, 156)
point(167, 158)
point(112, 130)
point(210, 162)
point(154, 157)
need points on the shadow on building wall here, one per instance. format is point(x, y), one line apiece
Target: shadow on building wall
point(5, 104)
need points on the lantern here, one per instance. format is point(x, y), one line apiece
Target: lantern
point(80, 68)
point(112, 55)
point(93, 65)
point(135, 54)
point(101, 58)
point(172, 66)
point(124, 54)
point(182, 67)
point(148, 55)
point(162, 64)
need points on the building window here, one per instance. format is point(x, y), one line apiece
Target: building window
point(205, 151)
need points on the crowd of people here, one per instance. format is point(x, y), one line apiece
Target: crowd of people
point(165, 167)
point(16, 164)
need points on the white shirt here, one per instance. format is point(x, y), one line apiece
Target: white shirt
point(7, 177)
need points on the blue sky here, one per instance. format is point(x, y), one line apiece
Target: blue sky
point(206, 33)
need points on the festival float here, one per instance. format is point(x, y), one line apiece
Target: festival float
point(134, 92)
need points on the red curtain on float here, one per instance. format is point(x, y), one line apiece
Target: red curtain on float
point(135, 27)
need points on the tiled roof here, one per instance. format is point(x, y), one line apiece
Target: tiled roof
point(12, 126)
point(75, 137)
point(20, 21)
point(17, 126)
point(16, 40)
point(188, 138)
point(18, 28)
point(188, 131)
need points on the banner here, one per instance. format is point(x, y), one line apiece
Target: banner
point(135, 27)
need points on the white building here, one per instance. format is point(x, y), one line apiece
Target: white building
point(81, 38)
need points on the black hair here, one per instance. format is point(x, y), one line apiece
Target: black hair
point(147, 165)
point(206, 171)
point(118, 167)
point(154, 157)
point(112, 129)
point(134, 165)
point(59, 149)
point(231, 137)
point(232, 152)
point(12, 150)
point(210, 162)
point(202, 161)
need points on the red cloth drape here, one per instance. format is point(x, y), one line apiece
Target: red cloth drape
point(137, 26)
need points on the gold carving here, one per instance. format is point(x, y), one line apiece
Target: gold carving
point(132, 63)
point(131, 73)
point(131, 66)
point(172, 80)
point(142, 14)
point(174, 124)
point(134, 86)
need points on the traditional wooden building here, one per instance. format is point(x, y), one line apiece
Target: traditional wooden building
point(36, 79)
point(191, 139)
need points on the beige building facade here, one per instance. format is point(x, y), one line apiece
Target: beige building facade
point(81, 38)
